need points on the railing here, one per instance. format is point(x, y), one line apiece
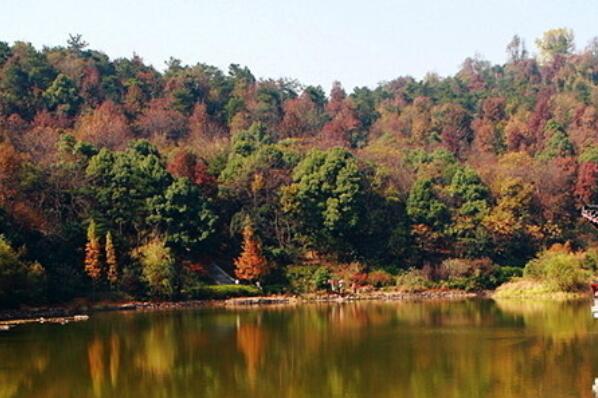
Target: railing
point(590, 213)
point(219, 276)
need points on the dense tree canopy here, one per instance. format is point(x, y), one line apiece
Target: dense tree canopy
point(493, 162)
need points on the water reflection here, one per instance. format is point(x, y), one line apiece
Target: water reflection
point(449, 349)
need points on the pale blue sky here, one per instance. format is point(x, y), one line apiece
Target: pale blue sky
point(315, 41)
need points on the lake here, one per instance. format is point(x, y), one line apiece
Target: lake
point(471, 348)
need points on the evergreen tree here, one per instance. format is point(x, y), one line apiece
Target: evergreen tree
point(251, 264)
point(93, 262)
point(111, 261)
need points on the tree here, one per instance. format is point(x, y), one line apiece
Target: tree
point(513, 230)
point(516, 50)
point(555, 42)
point(186, 164)
point(111, 261)
point(452, 122)
point(424, 206)
point(343, 127)
point(76, 43)
point(121, 185)
point(183, 215)
point(157, 268)
point(268, 104)
point(25, 77)
point(251, 264)
point(488, 128)
point(558, 143)
point(63, 96)
point(201, 125)
point(430, 219)
point(470, 199)
point(93, 252)
point(364, 101)
point(326, 198)
point(106, 126)
point(586, 188)
point(302, 117)
point(11, 169)
point(161, 120)
point(4, 52)
point(20, 281)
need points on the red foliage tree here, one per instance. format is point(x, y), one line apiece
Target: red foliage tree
point(486, 128)
point(251, 264)
point(201, 126)
point(586, 189)
point(301, 117)
point(517, 135)
point(106, 126)
point(584, 129)
point(159, 120)
point(453, 123)
point(186, 164)
point(343, 119)
point(554, 193)
point(539, 117)
point(90, 85)
point(10, 167)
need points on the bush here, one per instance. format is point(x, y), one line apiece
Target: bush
point(274, 289)
point(352, 273)
point(474, 275)
point(380, 278)
point(307, 278)
point(219, 292)
point(192, 276)
point(561, 270)
point(157, 268)
point(20, 282)
point(413, 280)
point(506, 273)
point(590, 260)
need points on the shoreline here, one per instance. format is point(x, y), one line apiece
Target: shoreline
point(67, 313)
point(71, 312)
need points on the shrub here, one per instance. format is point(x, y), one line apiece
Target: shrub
point(561, 270)
point(157, 268)
point(352, 273)
point(307, 278)
point(274, 289)
point(192, 275)
point(471, 275)
point(590, 260)
point(380, 278)
point(413, 280)
point(506, 273)
point(19, 281)
point(321, 277)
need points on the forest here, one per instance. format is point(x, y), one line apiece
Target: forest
point(117, 177)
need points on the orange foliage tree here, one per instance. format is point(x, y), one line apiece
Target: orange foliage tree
point(251, 264)
point(93, 262)
point(111, 261)
point(106, 126)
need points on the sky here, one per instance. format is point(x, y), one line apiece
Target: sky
point(359, 43)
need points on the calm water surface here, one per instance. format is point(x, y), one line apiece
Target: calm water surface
point(476, 348)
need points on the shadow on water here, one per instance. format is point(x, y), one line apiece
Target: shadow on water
point(475, 348)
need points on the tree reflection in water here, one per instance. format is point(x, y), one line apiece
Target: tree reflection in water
point(449, 349)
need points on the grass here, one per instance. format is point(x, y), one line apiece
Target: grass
point(531, 288)
point(218, 292)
